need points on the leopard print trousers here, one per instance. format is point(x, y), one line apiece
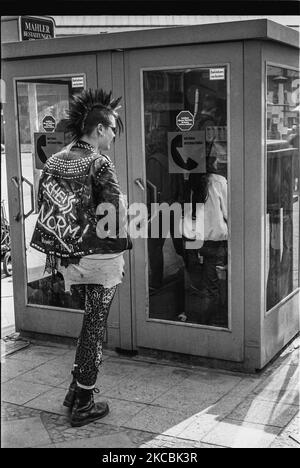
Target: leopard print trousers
point(88, 357)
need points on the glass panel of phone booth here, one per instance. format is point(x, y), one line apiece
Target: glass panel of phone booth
point(283, 181)
point(186, 165)
point(42, 106)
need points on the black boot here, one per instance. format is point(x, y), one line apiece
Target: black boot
point(70, 396)
point(85, 410)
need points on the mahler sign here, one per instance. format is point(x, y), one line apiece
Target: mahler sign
point(36, 28)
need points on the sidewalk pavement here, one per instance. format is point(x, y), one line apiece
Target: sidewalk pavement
point(153, 403)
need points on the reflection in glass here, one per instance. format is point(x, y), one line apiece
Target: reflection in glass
point(186, 165)
point(282, 219)
point(42, 106)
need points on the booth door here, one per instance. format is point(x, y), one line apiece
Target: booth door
point(184, 109)
point(42, 89)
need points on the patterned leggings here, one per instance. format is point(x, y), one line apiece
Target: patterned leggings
point(88, 357)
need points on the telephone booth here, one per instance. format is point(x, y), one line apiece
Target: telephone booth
point(225, 95)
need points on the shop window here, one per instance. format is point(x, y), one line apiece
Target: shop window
point(282, 165)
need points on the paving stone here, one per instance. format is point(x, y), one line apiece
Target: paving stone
point(264, 412)
point(173, 442)
point(19, 391)
point(50, 401)
point(43, 446)
point(59, 428)
point(24, 433)
point(281, 379)
point(199, 426)
point(120, 411)
point(143, 390)
point(115, 440)
point(65, 360)
point(290, 356)
point(11, 411)
point(193, 390)
point(236, 434)
point(160, 420)
point(203, 421)
point(245, 386)
point(290, 436)
point(50, 373)
point(225, 405)
point(39, 354)
point(122, 367)
point(138, 437)
point(13, 368)
point(212, 377)
point(121, 437)
point(11, 345)
point(185, 397)
point(289, 397)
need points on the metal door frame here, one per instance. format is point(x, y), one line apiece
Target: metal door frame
point(42, 319)
point(168, 58)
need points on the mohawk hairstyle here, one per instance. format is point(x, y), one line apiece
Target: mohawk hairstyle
point(91, 107)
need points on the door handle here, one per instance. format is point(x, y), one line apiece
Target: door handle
point(16, 183)
point(154, 190)
point(31, 196)
point(140, 184)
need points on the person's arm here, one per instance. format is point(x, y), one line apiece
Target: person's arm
point(41, 190)
point(224, 198)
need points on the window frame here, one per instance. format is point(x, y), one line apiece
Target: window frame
point(265, 240)
point(227, 65)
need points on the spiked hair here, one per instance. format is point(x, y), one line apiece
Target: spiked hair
point(91, 107)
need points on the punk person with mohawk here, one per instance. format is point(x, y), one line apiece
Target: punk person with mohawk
point(74, 183)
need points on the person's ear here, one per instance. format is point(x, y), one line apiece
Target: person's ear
point(100, 129)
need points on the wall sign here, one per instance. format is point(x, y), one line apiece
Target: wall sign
point(185, 121)
point(49, 123)
point(45, 145)
point(77, 82)
point(31, 28)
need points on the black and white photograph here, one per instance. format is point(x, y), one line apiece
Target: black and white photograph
point(150, 240)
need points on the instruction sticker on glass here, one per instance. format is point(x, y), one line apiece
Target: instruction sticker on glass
point(49, 123)
point(77, 82)
point(185, 121)
point(45, 145)
point(186, 152)
point(217, 73)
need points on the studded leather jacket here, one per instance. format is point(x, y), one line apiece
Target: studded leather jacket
point(81, 208)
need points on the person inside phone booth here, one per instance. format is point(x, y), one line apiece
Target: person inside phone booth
point(206, 263)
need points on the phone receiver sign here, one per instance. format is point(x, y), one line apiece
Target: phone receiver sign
point(186, 152)
point(45, 145)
